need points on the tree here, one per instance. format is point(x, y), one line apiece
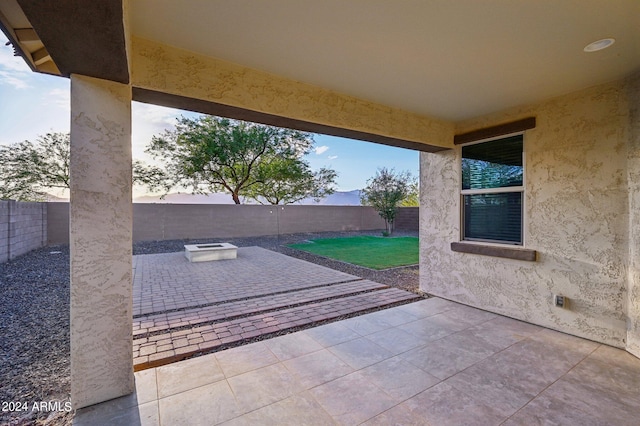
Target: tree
point(413, 196)
point(210, 154)
point(289, 180)
point(385, 191)
point(28, 170)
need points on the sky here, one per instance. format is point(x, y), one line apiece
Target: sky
point(33, 104)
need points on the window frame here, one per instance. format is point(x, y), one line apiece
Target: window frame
point(503, 190)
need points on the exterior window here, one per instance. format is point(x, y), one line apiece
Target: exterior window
point(492, 191)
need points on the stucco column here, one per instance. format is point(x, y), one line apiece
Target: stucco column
point(633, 179)
point(100, 241)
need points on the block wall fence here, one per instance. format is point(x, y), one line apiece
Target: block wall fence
point(190, 221)
point(26, 226)
point(23, 227)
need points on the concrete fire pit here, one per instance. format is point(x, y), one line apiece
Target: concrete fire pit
point(208, 252)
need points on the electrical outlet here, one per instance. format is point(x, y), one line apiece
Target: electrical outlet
point(559, 301)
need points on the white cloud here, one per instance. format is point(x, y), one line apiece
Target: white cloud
point(10, 62)
point(14, 79)
point(154, 114)
point(59, 97)
point(13, 69)
point(321, 149)
point(149, 120)
point(332, 157)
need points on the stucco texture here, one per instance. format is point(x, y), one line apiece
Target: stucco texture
point(100, 241)
point(633, 177)
point(576, 218)
point(175, 71)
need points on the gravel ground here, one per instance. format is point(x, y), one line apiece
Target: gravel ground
point(34, 308)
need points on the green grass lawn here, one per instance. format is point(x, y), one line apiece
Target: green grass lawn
point(371, 252)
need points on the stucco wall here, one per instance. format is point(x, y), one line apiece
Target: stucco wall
point(576, 217)
point(167, 69)
point(633, 176)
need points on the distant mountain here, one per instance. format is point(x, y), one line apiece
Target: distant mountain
point(215, 198)
point(338, 198)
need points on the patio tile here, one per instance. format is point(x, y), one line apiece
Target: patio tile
point(360, 353)
point(292, 345)
point(428, 307)
point(552, 360)
point(317, 368)
point(299, 410)
point(395, 340)
point(494, 335)
point(469, 315)
point(367, 324)
point(102, 414)
point(515, 329)
point(611, 368)
point(564, 341)
point(396, 316)
point(146, 386)
point(188, 374)
point(428, 329)
point(601, 404)
point(399, 415)
point(332, 334)
point(509, 380)
point(469, 341)
point(352, 399)
point(245, 358)
point(443, 358)
point(606, 385)
point(264, 386)
point(398, 378)
point(445, 405)
point(545, 410)
point(205, 405)
point(618, 357)
point(145, 392)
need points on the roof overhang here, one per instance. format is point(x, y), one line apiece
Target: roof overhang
point(65, 37)
point(400, 74)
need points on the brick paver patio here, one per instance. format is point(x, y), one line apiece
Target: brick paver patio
point(183, 308)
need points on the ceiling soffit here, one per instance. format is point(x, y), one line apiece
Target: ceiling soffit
point(453, 60)
point(83, 37)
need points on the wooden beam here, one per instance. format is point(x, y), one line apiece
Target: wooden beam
point(26, 34)
point(495, 131)
point(40, 56)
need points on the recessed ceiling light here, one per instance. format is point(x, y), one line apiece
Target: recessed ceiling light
point(599, 45)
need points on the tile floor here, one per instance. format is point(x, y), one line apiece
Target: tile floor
point(431, 362)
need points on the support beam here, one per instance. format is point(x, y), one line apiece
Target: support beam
point(26, 35)
point(100, 241)
point(192, 80)
point(40, 56)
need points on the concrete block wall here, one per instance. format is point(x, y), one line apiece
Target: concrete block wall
point(23, 227)
point(407, 219)
point(57, 223)
point(190, 221)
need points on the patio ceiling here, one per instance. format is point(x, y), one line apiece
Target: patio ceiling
point(451, 60)
point(448, 60)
